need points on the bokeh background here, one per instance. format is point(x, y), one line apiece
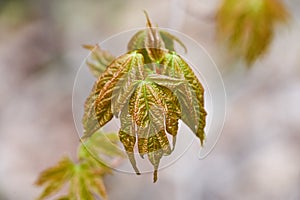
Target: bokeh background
point(257, 156)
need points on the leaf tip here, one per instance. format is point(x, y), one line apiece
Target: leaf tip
point(155, 176)
point(147, 18)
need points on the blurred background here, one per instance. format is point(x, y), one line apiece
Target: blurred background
point(257, 156)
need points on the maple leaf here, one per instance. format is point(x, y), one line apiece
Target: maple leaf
point(99, 61)
point(98, 105)
point(190, 94)
point(149, 106)
point(153, 39)
point(150, 88)
point(85, 177)
point(248, 26)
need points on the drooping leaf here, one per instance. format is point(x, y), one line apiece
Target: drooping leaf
point(150, 88)
point(150, 107)
point(189, 94)
point(98, 105)
point(55, 177)
point(127, 135)
point(96, 154)
point(100, 59)
point(248, 26)
point(85, 177)
point(137, 41)
point(169, 41)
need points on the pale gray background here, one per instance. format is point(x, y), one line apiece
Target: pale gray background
point(257, 156)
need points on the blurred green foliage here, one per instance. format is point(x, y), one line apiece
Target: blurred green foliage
point(248, 26)
point(85, 176)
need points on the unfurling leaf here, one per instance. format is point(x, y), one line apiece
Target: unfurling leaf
point(98, 105)
point(55, 177)
point(190, 94)
point(148, 107)
point(153, 39)
point(85, 177)
point(248, 26)
point(100, 59)
point(150, 88)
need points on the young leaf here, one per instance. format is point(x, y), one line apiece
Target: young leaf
point(150, 88)
point(137, 41)
point(190, 94)
point(98, 105)
point(149, 107)
point(153, 42)
point(85, 177)
point(55, 177)
point(169, 41)
point(153, 38)
point(100, 59)
point(248, 26)
point(90, 150)
point(127, 136)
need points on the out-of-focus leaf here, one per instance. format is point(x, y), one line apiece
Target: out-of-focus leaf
point(100, 59)
point(169, 41)
point(137, 41)
point(248, 26)
point(96, 154)
point(64, 198)
point(85, 177)
point(55, 177)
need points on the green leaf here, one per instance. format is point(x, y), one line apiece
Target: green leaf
point(169, 41)
point(150, 88)
point(100, 59)
point(55, 177)
point(149, 107)
point(190, 94)
point(127, 84)
point(248, 26)
point(154, 40)
point(98, 105)
point(85, 177)
point(64, 198)
point(166, 81)
point(99, 187)
point(95, 154)
point(83, 187)
point(127, 136)
point(137, 41)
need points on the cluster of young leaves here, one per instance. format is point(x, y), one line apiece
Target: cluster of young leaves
point(84, 177)
point(150, 88)
point(248, 25)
